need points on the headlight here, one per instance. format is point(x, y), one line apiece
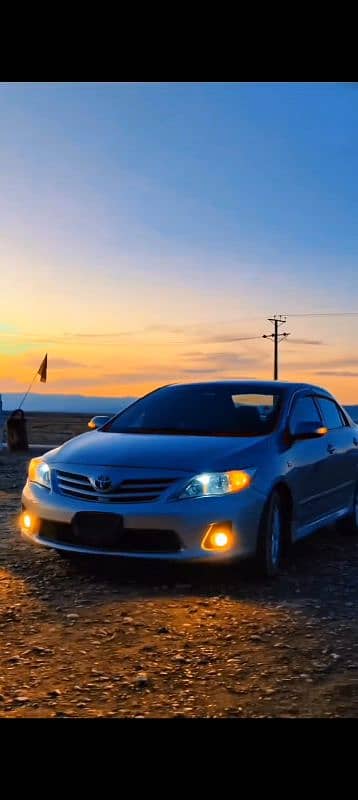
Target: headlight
point(216, 484)
point(40, 473)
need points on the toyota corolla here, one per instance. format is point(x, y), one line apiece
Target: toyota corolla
point(201, 472)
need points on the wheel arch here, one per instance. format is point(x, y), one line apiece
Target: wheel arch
point(284, 491)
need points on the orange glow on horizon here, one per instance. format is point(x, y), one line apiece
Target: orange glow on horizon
point(130, 365)
point(91, 382)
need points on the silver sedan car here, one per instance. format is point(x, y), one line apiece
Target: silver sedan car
point(201, 472)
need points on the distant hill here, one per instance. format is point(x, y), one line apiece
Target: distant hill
point(67, 404)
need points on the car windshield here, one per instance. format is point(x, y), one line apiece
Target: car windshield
point(199, 411)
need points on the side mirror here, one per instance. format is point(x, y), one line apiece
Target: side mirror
point(307, 430)
point(97, 422)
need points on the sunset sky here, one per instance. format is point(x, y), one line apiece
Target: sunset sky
point(145, 228)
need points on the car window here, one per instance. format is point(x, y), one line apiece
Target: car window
point(332, 416)
point(199, 411)
point(305, 410)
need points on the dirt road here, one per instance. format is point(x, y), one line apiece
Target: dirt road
point(109, 641)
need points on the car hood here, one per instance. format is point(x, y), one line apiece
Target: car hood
point(177, 453)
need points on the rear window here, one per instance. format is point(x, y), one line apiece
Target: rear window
point(265, 405)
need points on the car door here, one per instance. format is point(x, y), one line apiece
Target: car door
point(307, 466)
point(341, 467)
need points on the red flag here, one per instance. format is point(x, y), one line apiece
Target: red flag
point(43, 371)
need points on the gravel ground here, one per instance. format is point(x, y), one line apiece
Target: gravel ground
point(117, 641)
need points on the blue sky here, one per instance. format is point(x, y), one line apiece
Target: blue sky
point(124, 207)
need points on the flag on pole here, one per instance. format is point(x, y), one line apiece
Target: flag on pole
point(43, 371)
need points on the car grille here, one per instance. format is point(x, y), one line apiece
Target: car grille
point(130, 540)
point(129, 491)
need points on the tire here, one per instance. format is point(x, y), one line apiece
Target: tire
point(271, 538)
point(349, 526)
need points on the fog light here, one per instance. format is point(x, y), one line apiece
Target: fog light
point(219, 538)
point(29, 523)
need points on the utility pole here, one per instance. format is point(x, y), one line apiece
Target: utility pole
point(277, 337)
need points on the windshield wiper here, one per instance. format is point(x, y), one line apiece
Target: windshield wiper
point(188, 432)
point(166, 432)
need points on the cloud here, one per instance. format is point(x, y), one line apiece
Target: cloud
point(200, 371)
point(341, 362)
point(137, 376)
point(331, 365)
point(166, 329)
point(7, 328)
point(230, 338)
point(196, 364)
point(312, 342)
point(217, 373)
point(196, 332)
point(333, 374)
point(15, 349)
point(221, 355)
point(223, 361)
point(95, 336)
point(169, 375)
point(69, 383)
point(193, 364)
point(64, 363)
point(33, 360)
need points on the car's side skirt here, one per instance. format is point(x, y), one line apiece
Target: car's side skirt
point(323, 522)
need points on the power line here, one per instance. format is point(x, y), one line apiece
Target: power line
point(327, 314)
point(239, 339)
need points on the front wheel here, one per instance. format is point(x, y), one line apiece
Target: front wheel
point(270, 543)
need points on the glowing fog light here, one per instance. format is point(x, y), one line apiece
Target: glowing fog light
point(219, 538)
point(29, 523)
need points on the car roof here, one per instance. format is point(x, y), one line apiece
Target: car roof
point(265, 387)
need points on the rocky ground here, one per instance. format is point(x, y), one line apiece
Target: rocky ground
point(54, 429)
point(109, 641)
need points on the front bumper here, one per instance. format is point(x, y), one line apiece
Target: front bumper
point(188, 519)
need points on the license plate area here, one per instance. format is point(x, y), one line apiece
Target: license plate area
point(96, 529)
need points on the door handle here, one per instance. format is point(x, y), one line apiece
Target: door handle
point(331, 449)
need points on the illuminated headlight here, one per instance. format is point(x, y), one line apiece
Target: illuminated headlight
point(216, 484)
point(40, 473)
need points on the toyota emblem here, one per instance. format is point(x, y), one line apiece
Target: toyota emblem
point(103, 483)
